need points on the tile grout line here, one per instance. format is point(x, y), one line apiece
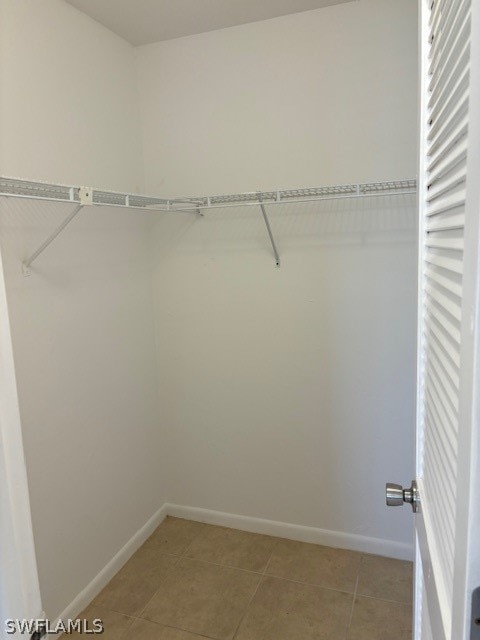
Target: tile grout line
point(204, 528)
point(354, 595)
point(225, 566)
point(179, 558)
point(309, 584)
point(169, 626)
point(272, 575)
point(126, 632)
point(164, 579)
point(260, 580)
point(400, 602)
point(270, 559)
point(353, 607)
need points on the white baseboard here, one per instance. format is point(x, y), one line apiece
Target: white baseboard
point(85, 596)
point(298, 532)
point(354, 542)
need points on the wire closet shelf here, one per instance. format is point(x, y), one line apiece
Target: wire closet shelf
point(85, 196)
point(44, 191)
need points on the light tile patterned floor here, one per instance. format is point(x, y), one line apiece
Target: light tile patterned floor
point(191, 581)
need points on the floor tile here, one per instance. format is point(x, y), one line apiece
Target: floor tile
point(284, 610)
point(386, 578)
point(144, 630)
point(174, 535)
point(233, 548)
point(378, 620)
point(203, 598)
point(129, 591)
point(114, 624)
point(315, 564)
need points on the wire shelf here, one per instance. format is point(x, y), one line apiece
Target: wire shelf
point(14, 187)
point(392, 187)
point(85, 196)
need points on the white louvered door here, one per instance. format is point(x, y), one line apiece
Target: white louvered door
point(447, 418)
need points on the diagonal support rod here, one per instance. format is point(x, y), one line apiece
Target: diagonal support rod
point(269, 229)
point(50, 239)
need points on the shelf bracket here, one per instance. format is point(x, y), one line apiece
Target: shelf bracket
point(269, 230)
point(85, 196)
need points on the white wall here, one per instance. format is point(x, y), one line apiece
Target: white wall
point(82, 324)
point(68, 98)
point(288, 393)
point(319, 97)
point(83, 331)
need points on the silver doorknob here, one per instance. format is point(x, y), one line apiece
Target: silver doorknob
point(397, 495)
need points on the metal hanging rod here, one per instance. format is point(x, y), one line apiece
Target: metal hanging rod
point(81, 196)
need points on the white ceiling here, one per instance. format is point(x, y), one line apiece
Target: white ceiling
point(144, 21)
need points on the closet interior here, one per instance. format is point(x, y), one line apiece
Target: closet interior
point(236, 348)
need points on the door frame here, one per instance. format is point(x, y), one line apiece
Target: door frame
point(19, 585)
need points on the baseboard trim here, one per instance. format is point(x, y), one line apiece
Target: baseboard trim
point(85, 596)
point(354, 542)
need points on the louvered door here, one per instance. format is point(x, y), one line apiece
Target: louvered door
point(448, 194)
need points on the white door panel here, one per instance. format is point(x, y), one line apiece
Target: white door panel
point(448, 327)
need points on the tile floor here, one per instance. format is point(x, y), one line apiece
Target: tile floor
point(191, 581)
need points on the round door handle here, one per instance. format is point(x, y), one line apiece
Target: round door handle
point(396, 495)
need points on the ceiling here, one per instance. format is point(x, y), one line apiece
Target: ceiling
point(144, 21)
